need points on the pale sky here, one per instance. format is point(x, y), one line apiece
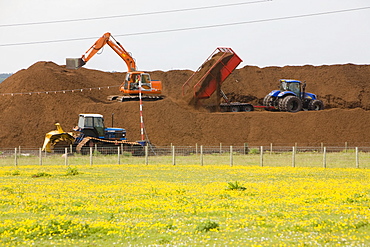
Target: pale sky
point(265, 33)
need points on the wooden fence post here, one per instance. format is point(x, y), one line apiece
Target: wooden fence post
point(91, 156)
point(146, 154)
point(231, 156)
point(40, 156)
point(357, 159)
point(201, 155)
point(324, 158)
point(261, 156)
point(66, 156)
point(293, 156)
point(119, 155)
point(15, 157)
point(173, 156)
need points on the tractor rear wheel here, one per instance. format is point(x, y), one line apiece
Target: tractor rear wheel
point(290, 104)
point(315, 105)
point(269, 101)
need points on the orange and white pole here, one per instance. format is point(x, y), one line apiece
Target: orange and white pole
point(141, 113)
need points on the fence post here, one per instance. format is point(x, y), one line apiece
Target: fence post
point(220, 147)
point(196, 148)
point(91, 156)
point(270, 148)
point(146, 154)
point(324, 158)
point(201, 155)
point(261, 156)
point(119, 155)
point(15, 157)
point(173, 156)
point(66, 156)
point(322, 147)
point(70, 148)
point(345, 147)
point(245, 148)
point(357, 159)
point(231, 155)
point(96, 148)
point(40, 156)
point(293, 156)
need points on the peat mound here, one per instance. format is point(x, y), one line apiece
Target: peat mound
point(345, 90)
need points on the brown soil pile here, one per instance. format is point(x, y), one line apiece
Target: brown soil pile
point(345, 90)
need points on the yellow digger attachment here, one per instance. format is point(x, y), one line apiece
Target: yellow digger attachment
point(54, 137)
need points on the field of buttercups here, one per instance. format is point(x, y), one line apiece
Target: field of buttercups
point(184, 205)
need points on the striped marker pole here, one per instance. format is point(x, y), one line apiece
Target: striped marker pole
point(141, 113)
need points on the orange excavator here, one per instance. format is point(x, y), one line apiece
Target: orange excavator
point(150, 89)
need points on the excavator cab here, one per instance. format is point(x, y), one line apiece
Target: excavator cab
point(134, 79)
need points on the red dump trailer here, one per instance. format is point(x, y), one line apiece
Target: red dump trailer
point(208, 78)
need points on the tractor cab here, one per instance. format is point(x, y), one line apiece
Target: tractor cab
point(93, 125)
point(291, 86)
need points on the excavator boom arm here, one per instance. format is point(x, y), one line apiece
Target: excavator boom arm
point(107, 38)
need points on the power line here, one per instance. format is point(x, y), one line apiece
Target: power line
point(194, 28)
point(133, 15)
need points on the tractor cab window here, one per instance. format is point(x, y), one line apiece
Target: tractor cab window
point(295, 88)
point(99, 122)
point(93, 122)
point(284, 86)
point(89, 122)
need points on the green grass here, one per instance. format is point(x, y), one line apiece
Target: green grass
point(304, 159)
point(159, 204)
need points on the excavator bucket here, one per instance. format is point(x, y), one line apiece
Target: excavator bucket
point(74, 63)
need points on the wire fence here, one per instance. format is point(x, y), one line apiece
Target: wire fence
point(295, 156)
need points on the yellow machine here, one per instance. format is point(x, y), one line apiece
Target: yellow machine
point(90, 132)
point(57, 137)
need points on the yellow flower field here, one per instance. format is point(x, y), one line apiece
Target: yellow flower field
point(184, 205)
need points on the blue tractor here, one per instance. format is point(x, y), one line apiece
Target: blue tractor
point(292, 97)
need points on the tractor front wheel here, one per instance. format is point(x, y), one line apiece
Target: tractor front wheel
point(315, 105)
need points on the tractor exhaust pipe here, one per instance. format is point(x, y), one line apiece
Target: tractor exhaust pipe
point(74, 63)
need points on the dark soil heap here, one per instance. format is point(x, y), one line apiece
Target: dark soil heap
point(345, 90)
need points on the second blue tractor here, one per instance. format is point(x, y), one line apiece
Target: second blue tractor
point(292, 97)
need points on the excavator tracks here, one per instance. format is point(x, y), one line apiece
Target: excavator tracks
point(133, 147)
